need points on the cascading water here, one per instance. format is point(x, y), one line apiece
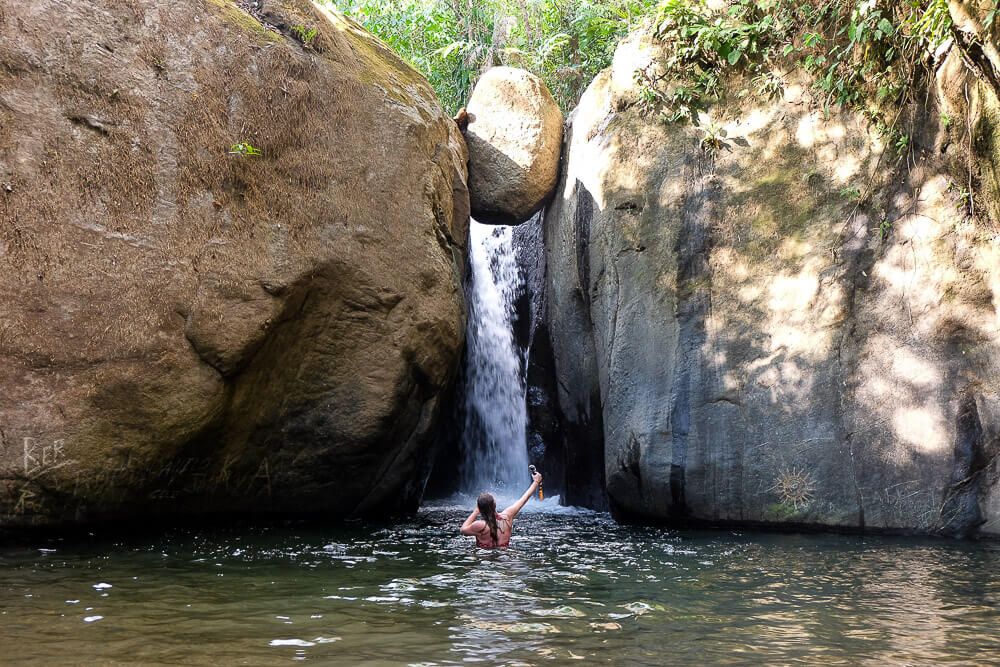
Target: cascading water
point(495, 449)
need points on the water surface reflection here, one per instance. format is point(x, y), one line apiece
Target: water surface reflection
point(574, 586)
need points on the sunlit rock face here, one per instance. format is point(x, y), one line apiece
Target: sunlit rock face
point(515, 138)
point(772, 323)
point(230, 261)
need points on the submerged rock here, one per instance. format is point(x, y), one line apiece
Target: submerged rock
point(777, 326)
point(231, 258)
point(514, 135)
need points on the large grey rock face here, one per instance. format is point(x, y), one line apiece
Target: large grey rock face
point(755, 345)
point(189, 326)
point(515, 138)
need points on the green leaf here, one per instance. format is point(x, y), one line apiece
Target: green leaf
point(885, 27)
point(734, 56)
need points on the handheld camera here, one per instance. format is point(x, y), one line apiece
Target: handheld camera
point(541, 495)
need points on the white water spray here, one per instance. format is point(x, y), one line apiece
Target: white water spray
point(496, 452)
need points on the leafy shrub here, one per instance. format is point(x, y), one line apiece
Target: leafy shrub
point(868, 55)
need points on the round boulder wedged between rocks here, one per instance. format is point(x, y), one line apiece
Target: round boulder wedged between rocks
point(515, 138)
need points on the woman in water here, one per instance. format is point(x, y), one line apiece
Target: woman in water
point(494, 528)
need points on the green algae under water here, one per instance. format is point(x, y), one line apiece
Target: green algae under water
point(574, 586)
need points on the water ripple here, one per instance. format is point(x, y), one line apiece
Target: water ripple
point(573, 585)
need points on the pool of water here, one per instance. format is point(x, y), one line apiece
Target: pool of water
point(573, 586)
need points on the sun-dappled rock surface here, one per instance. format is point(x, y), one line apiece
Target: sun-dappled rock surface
point(515, 138)
point(773, 320)
point(230, 258)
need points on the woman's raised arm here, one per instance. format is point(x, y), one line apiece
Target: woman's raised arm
point(512, 511)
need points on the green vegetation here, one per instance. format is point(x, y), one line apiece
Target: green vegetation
point(245, 149)
point(781, 512)
point(851, 193)
point(963, 197)
point(304, 34)
point(565, 42)
point(884, 228)
point(868, 55)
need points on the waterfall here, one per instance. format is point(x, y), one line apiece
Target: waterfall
point(495, 450)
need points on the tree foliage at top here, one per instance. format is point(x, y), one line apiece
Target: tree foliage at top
point(565, 42)
point(868, 55)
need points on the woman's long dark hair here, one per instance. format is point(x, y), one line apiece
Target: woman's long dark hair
point(488, 508)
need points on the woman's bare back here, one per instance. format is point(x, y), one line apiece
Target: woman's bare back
point(505, 528)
